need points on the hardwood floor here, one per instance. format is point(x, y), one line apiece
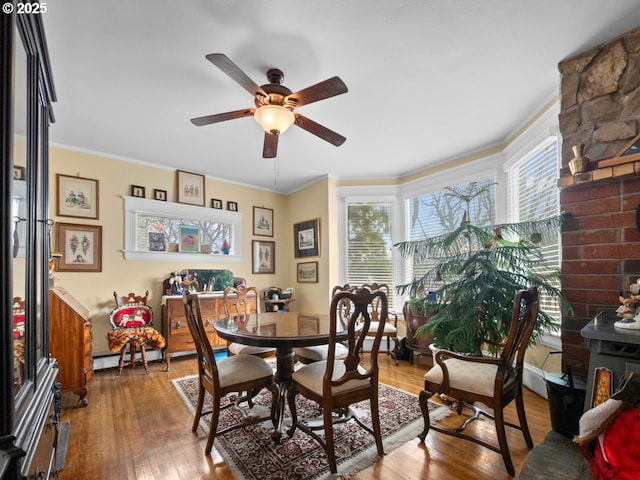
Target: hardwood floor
point(139, 428)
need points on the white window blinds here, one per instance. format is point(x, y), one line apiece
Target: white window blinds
point(369, 244)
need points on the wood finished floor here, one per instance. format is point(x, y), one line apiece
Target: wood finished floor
point(139, 428)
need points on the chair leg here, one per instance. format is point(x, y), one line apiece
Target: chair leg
point(396, 343)
point(200, 404)
point(329, 442)
point(424, 407)
point(121, 360)
point(523, 420)
point(143, 353)
point(215, 416)
point(375, 422)
point(502, 440)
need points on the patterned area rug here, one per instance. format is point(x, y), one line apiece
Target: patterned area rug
point(252, 455)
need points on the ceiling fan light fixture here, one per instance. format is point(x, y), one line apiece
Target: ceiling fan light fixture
point(274, 119)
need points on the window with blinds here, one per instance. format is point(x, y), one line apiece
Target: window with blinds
point(437, 213)
point(369, 244)
point(533, 195)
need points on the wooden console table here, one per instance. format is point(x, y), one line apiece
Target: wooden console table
point(175, 328)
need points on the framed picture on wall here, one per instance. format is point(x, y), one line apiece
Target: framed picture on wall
point(263, 256)
point(77, 196)
point(306, 238)
point(189, 240)
point(308, 272)
point(263, 221)
point(190, 188)
point(81, 247)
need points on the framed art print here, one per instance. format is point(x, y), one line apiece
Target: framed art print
point(306, 238)
point(308, 272)
point(216, 203)
point(160, 195)
point(137, 191)
point(190, 188)
point(189, 240)
point(232, 206)
point(77, 196)
point(263, 221)
point(263, 256)
point(18, 173)
point(81, 247)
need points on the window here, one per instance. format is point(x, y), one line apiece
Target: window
point(436, 213)
point(161, 231)
point(369, 245)
point(533, 195)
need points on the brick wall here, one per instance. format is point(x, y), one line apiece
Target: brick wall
point(599, 109)
point(600, 255)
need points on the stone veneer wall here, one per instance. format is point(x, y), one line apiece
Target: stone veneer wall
point(600, 109)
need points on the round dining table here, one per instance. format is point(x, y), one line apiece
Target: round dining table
point(284, 331)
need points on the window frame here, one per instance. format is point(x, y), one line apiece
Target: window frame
point(134, 206)
point(519, 144)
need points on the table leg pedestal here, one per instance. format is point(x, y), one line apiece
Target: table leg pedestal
point(284, 371)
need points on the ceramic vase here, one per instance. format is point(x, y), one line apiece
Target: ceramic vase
point(579, 163)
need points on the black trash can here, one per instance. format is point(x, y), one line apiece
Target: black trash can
point(566, 401)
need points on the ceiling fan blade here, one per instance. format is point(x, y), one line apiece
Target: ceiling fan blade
point(329, 88)
point(318, 130)
point(221, 61)
point(270, 148)
point(221, 117)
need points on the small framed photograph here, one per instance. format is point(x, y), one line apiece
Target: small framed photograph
point(137, 191)
point(263, 256)
point(232, 206)
point(81, 247)
point(308, 272)
point(306, 238)
point(190, 188)
point(216, 203)
point(77, 196)
point(160, 195)
point(18, 173)
point(189, 240)
point(157, 242)
point(263, 221)
point(602, 386)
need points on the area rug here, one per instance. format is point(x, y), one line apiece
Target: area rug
point(252, 455)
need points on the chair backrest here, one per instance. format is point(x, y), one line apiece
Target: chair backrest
point(358, 325)
point(523, 319)
point(376, 305)
point(343, 307)
point(236, 303)
point(207, 367)
point(131, 311)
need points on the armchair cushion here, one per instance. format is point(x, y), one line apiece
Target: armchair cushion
point(311, 377)
point(240, 349)
point(241, 368)
point(317, 353)
point(466, 375)
point(389, 328)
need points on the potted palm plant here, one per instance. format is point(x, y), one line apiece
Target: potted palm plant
point(473, 272)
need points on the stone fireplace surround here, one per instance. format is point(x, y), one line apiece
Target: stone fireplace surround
point(600, 109)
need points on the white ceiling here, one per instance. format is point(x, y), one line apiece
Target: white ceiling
point(429, 80)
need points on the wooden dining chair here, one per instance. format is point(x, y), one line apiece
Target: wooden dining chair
point(318, 353)
point(237, 304)
point(391, 325)
point(337, 384)
point(236, 374)
point(492, 381)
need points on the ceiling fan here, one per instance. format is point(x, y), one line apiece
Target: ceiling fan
point(275, 104)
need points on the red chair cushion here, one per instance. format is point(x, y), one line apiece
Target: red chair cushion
point(131, 316)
